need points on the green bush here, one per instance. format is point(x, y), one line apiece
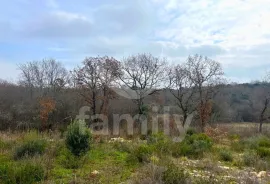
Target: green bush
point(263, 152)
point(30, 148)
point(78, 138)
point(143, 152)
point(250, 158)
point(256, 142)
point(193, 146)
point(264, 142)
point(160, 143)
point(260, 144)
point(199, 137)
point(156, 138)
point(25, 172)
point(226, 155)
point(174, 175)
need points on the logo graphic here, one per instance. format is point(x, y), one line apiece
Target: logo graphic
point(152, 122)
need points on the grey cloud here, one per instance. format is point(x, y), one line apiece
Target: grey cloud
point(59, 25)
point(207, 50)
point(127, 17)
point(247, 57)
point(123, 46)
point(182, 51)
point(116, 46)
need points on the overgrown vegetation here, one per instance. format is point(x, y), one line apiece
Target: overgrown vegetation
point(193, 146)
point(197, 159)
point(226, 155)
point(25, 172)
point(174, 175)
point(30, 148)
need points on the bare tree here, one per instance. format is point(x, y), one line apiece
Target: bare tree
point(263, 112)
point(95, 79)
point(109, 70)
point(46, 78)
point(47, 75)
point(207, 76)
point(183, 89)
point(264, 102)
point(142, 75)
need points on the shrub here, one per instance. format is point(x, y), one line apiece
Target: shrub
point(263, 152)
point(250, 143)
point(193, 146)
point(78, 138)
point(143, 152)
point(155, 138)
point(256, 142)
point(30, 148)
point(250, 158)
point(260, 144)
point(174, 175)
point(25, 172)
point(199, 137)
point(264, 142)
point(226, 155)
point(160, 142)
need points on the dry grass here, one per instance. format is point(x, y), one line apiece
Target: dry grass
point(116, 163)
point(244, 129)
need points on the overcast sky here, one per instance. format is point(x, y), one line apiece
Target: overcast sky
point(233, 32)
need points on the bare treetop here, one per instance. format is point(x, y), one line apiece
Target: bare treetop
point(142, 75)
point(204, 71)
point(143, 71)
point(46, 74)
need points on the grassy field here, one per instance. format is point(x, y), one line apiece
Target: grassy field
point(219, 156)
point(245, 128)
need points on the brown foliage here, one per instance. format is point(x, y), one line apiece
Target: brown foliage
point(217, 134)
point(205, 110)
point(47, 105)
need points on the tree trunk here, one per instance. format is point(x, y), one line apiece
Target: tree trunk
point(260, 128)
point(94, 103)
point(140, 106)
point(184, 119)
point(262, 114)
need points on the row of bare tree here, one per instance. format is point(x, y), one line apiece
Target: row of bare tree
point(193, 83)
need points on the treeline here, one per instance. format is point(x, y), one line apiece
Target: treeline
point(48, 96)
